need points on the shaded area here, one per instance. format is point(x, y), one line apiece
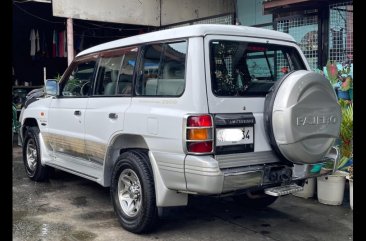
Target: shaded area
point(71, 208)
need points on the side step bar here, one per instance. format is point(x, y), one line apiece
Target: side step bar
point(283, 190)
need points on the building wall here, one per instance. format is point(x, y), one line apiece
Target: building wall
point(175, 11)
point(250, 12)
point(141, 12)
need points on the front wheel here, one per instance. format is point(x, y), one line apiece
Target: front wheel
point(32, 156)
point(133, 192)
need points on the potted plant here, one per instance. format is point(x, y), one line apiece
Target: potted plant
point(331, 187)
point(340, 76)
point(331, 70)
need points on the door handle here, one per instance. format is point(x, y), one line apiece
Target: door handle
point(113, 116)
point(77, 112)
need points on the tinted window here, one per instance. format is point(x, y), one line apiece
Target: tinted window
point(162, 70)
point(107, 75)
point(249, 69)
point(114, 76)
point(79, 81)
point(126, 73)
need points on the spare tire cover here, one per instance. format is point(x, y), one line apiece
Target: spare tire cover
point(302, 117)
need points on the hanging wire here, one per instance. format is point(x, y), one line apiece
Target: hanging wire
point(76, 24)
point(25, 11)
point(25, 1)
point(96, 26)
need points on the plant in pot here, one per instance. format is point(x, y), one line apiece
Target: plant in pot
point(331, 186)
point(340, 76)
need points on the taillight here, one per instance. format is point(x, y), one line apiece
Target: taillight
point(199, 121)
point(199, 134)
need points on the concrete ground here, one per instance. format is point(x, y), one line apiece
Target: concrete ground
point(70, 208)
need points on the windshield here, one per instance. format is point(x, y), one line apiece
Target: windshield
point(249, 69)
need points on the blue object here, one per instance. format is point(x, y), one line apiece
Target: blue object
point(350, 91)
point(343, 94)
point(316, 168)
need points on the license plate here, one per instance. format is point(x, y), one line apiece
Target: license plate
point(234, 136)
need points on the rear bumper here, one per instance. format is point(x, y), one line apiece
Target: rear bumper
point(207, 175)
point(204, 176)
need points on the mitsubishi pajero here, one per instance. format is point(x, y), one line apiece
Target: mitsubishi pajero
point(212, 110)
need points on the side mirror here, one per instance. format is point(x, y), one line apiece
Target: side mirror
point(52, 87)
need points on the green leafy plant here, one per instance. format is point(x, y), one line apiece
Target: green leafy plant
point(346, 135)
point(346, 83)
point(339, 76)
point(342, 165)
point(332, 72)
point(58, 77)
point(345, 138)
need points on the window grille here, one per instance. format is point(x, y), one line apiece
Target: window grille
point(225, 19)
point(341, 32)
point(265, 26)
point(304, 29)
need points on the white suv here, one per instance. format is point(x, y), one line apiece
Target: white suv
point(197, 110)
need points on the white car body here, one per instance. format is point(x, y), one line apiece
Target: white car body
point(79, 136)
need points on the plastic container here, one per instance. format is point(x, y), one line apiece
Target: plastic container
point(331, 189)
point(351, 193)
point(309, 189)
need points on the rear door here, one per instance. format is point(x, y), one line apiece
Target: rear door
point(239, 73)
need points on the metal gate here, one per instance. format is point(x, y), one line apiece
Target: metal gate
point(304, 29)
point(341, 32)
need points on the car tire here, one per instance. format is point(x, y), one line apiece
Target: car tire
point(258, 201)
point(133, 192)
point(32, 156)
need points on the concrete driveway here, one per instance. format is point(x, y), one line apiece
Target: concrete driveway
point(71, 208)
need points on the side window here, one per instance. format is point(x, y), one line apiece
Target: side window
point(107, 76)
point(79, 81)
point(126, 73)
point(163, 70)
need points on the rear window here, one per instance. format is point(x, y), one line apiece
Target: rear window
point(249, 69)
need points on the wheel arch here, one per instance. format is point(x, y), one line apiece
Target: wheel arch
point(28, 122)
point(118, 145)
point(125, 142)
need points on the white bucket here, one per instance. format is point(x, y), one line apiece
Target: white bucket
point(309, 189)
point(331, 189)
point(351, 193)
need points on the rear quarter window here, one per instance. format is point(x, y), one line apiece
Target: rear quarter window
point(162, 70)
